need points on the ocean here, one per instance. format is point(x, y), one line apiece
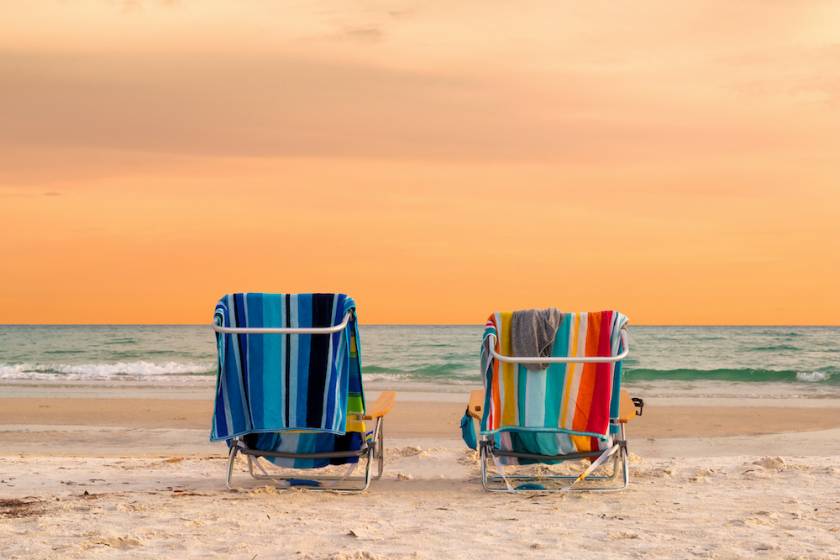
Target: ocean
point(780, 362)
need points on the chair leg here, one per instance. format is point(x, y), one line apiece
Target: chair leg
point(367, 472)
point(234, 449)
point(482, 454)
point(625, 458)
point(380, 448)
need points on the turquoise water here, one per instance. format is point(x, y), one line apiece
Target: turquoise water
point(801, 359)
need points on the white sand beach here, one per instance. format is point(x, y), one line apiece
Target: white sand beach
point(100, 473)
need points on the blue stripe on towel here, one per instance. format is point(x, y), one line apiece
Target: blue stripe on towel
point(291, 380)
point(254, 314)
point(237, 406)
point(328, 400)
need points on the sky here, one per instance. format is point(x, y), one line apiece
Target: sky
point(436, 160)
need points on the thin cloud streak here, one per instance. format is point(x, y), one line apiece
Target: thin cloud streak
point(272, 106)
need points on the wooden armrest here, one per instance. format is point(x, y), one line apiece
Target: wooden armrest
point(382, 405)
point(476, 404)
point(626, 408)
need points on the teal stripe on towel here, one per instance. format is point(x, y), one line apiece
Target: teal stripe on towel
point(297, 414)
point(556, 375)
point(521, 393)
point(534, 404)
point(273, 399)
point(256, 389)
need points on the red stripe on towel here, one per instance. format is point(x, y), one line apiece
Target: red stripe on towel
point(599, 413)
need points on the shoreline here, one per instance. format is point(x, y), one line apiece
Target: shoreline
point(746, 393)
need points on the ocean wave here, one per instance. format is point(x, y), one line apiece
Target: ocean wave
point(103, 370)
point(122, 340)
point(775, 348)
point(377, 369)
point(777, 332)
point(439, 372)
point(385, 379)
point(446, 373)
point(828, 375)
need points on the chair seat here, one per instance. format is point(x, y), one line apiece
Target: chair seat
point(303, 443)
point(546, 444)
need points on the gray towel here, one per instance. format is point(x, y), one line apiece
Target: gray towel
point(532, 333)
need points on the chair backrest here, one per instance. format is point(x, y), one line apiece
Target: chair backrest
point(269, 382)
point(574, 398)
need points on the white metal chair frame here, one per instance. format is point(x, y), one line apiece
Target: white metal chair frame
point(370, 451)
point(618, 451)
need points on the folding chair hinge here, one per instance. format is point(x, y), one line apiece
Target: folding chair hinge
point(639, 404)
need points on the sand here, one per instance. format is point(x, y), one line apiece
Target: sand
point(413, 418)
point(104, 473)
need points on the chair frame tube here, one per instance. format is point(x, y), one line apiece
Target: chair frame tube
point(285, 330)
point(561, 360)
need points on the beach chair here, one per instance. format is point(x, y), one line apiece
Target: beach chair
point(289, 391)
point(575, 410)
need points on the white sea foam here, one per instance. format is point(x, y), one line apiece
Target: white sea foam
point(14, 371)
point(386, 377)
point(101, 370)
point(812, 376)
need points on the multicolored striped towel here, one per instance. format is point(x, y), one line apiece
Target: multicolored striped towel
point(280, 382)
point(574, 399)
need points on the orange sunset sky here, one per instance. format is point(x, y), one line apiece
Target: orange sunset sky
point(435, 160)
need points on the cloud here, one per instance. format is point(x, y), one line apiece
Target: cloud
point(133, 5)
point(224, 105)
point(366, 34)
point(26, 193)
point(271, 105)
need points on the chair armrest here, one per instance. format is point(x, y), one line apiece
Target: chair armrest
point(382, 405)
point(476, 404)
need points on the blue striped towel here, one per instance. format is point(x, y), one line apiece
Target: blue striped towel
point(278, 382)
